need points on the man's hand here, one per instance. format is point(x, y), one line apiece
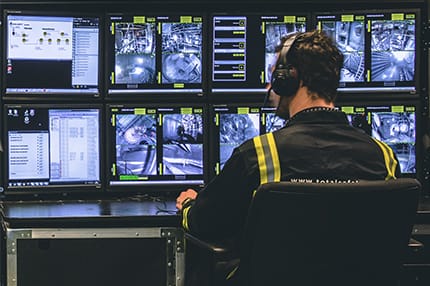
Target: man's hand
point(183, 196)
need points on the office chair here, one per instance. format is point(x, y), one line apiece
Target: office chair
point(318, 234)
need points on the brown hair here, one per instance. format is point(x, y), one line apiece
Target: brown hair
point(318, 62)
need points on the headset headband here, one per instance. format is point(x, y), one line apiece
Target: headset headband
point(285, 49)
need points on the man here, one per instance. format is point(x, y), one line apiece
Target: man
point(316, 145)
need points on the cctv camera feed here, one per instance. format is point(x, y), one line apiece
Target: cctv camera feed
point(51, 54)
point(233, 125)
point(156, 145)
point(393, 48)
point(181, 52)
point(348, 31)
point(274, 31)
point(243, 49)
point(155, 54)
point(52, 146)
point(272, 121)
point(393, 125)
point(378, 48)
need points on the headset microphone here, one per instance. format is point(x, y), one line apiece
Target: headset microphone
point(266, 98)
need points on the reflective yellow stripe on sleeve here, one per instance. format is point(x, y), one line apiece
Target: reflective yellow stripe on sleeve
point(261, 159)
point(268, 158)
point(185, 218)
point(390, 161)
point(275, 158)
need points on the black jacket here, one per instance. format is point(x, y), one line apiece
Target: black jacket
point(316, 145)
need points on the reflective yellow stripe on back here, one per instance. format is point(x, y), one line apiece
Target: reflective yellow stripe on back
point(268, 158)
point(390, 161)
point(275, 157)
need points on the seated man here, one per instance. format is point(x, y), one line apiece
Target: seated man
point(316, 145)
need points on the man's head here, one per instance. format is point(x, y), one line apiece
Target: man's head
point(310, 60)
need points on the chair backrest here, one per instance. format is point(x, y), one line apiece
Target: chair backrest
point(328, 234)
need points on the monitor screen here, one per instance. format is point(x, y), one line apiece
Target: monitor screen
point(394, 124)
point(379, 48)
point(52, 147)
point(243, 50)
point(155, 147)
point(155, 54)
point(51, 54)
point(234, 124)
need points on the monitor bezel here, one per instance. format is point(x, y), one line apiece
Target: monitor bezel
point(372, 89)
point(419, 117)
point(248, 90)
point(68, 93)
point(214, 147)
point(70, 188)
point(156, 91)
point(160, 186)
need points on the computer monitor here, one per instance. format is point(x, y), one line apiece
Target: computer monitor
point(397, 124)
point(233, 124)
point(380, 49)
point(152, 148)
point(243, 50)
point(52, 148)
point(51, 54)
point(160, 54)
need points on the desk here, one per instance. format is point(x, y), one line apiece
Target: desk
point(129, 241)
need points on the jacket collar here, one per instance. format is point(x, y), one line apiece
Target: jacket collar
point(318, 114)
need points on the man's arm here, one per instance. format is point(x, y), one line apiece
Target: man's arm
point(220, 209)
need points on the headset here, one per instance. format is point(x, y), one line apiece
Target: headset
point(285, 80)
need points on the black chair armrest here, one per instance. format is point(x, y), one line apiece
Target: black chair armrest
point(218, 249)
point(204, 259)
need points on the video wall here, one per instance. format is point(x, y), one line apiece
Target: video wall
point(152, 101)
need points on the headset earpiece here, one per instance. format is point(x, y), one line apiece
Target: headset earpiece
point(285, 81)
